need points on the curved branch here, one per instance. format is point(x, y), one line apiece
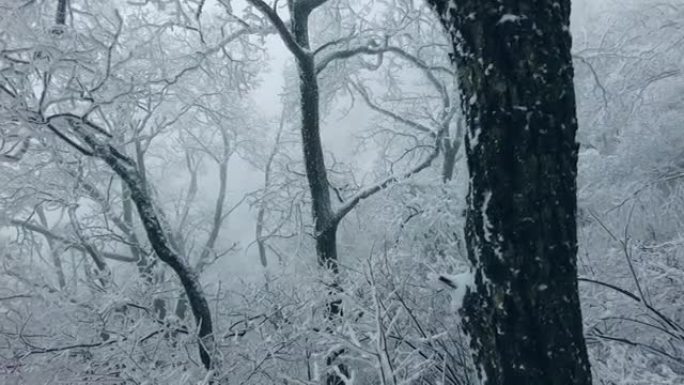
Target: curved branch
point(604, 93)
point(151, 218)
point(333, 42)
point(219, 217)
point(285, 34)
point(70, 142)
point(390, 114)
point(14, 156)
point(366, 193)
point(368, 50)
point(610, 286)
point(66, 241)
point(672, 323)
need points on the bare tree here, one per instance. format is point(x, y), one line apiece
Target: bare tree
point(75, 106)
point(309, 65)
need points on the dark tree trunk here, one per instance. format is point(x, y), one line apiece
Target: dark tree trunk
point(516, 79)
point(324, 226)
point(449, 162)
point(296, 38)
point(60, 16)
point(144, 265)
point(326, 220)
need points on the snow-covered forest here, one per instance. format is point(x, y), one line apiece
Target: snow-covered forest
point(259, 192)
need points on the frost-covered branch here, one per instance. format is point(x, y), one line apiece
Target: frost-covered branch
point(390, 114)
point(66, 241)
point(379, 50)
point(369, 191)
point(16, 151)
point(297, 50)
point(125, 168)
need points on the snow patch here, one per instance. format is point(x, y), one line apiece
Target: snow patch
point(460, 283)
point(486, 224)
point(474, 137)
point(509, 18)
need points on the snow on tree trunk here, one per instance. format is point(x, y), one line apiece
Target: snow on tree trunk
point(515, 74)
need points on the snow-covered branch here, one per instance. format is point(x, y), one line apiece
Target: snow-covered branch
point(379, 186)
point(66, 241)
point(298, 51)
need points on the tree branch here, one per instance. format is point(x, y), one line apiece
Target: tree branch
point(219, 205)
point(672, 323)
point(285, 34)
point(366, 193)
point(14, 156)
point(368, 50)
point(66, 241)
point(390, 114)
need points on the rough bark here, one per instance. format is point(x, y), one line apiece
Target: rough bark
point(145, 267)
point(516, 81)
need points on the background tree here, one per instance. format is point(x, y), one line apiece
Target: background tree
point(310, 63)
point(121, 100)
point(630, 189)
